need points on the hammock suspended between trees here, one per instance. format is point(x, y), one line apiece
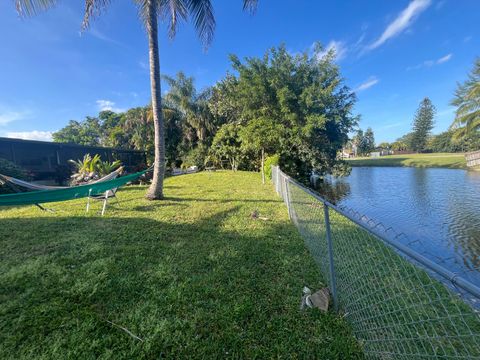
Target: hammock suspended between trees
point(71, 193)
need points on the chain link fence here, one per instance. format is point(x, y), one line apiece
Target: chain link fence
point(399, 303)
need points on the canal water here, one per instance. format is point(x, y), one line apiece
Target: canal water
point(438, 210)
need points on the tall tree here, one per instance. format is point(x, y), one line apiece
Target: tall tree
point(261, 136)
point(369, 141)
point(467, 101)
point(422, 125)
point(357, 142)
point(201, 11)
point(305, 94)
point(226, 145)
point(194, 107)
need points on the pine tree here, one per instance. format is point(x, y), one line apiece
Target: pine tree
point(358, 141)
point(422, 125)
point(369, 140)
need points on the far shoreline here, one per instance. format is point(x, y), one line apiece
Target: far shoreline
point(430, 160)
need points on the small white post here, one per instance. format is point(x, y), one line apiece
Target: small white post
point(105, 203)
point(88, 201)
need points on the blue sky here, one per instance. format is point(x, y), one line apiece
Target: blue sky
point(393, 53)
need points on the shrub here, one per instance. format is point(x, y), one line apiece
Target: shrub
point(10, 169)
point(269, 162)
point(92, 168)
point(195, 157)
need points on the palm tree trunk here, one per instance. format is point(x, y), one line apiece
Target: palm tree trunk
point(155, 191)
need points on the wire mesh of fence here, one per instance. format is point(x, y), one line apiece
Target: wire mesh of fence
point(399, 303)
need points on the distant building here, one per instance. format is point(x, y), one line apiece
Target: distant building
point(49, 160)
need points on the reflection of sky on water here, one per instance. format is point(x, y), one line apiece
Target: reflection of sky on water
point(438, 207)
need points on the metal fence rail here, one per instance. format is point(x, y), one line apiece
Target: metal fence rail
point(400, 304)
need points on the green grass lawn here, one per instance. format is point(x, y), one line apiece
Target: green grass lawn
point(443, 160)
point(193, 276)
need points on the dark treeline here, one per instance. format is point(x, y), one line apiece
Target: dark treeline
point(293, 107)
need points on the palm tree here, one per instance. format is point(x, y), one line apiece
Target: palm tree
point(467, 101)
point(173, 11)
point(194, 107)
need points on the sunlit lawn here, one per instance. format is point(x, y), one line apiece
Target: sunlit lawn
point(446, 160)
point(194, 276)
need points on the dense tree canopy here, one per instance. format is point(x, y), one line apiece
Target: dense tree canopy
point(363, 142)
point(295, 106)
point(304, 94)
point(132, 129)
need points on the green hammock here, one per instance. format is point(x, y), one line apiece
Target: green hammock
point(76, 192)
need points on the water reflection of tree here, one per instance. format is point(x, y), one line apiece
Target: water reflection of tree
point(463, 228)
point(333, 190)
point(421, 189)
point(465, 234)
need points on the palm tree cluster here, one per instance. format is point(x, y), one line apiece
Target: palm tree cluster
point(467, 101)
point(199, 122)
point(189, 125)
point(171, 11)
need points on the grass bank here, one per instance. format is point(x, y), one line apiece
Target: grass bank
point(193, 276)
point(441, 160)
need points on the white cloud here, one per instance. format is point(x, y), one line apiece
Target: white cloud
point(401, 22)
point(9, 116)
point(31, 135)
point(371, 81)
point(101, 36)
point(338, 47)
point(391, 126)
point(430, 63)
point(444, 59)
point(107, 105)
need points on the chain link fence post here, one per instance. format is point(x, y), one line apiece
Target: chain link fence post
point(277, 179)
point(333, 280)
point(287, 197)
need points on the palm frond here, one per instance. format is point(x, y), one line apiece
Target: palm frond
point(203, 19)
point(173, 11)
point(250, 5)
point(467, 101)
point(27, 8)
point(93, 8)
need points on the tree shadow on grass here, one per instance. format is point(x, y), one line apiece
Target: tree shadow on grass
point(223, 201)
point(70, 284)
